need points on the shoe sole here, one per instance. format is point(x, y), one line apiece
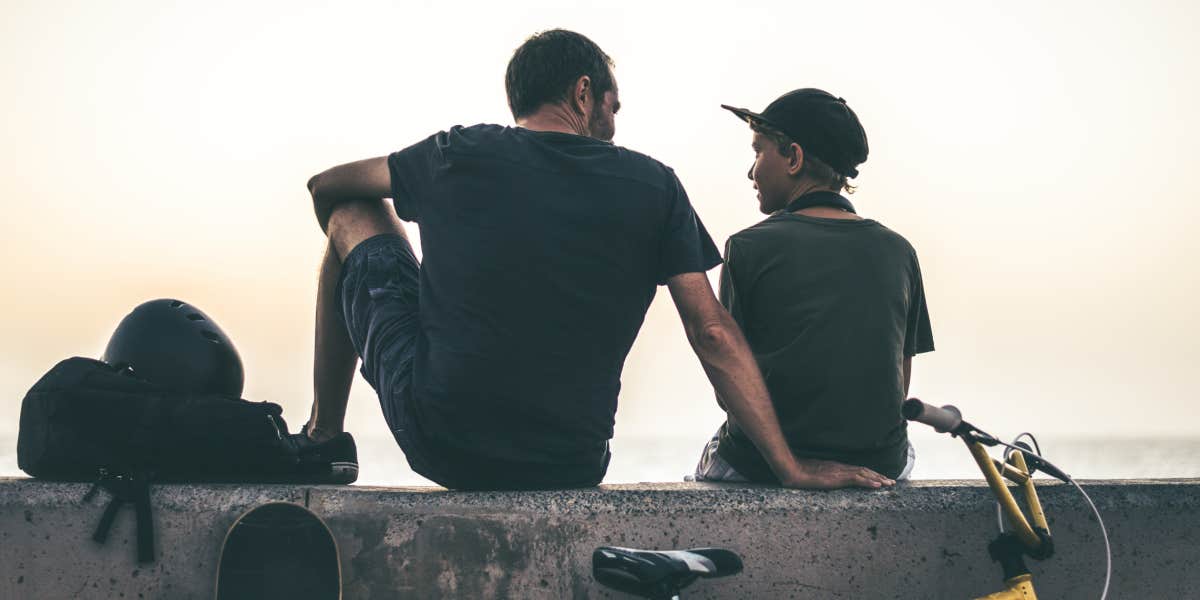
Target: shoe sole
point(343, 472)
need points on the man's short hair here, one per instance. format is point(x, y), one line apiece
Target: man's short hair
point(543, 69)
point(813, 167)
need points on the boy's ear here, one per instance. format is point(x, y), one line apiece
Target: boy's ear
point(796, 160)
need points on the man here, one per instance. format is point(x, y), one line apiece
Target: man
point(832, 304)
point(498, 361)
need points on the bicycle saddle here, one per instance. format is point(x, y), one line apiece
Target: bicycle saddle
point(660, 574)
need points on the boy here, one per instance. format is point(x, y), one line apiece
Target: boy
point(831, 303)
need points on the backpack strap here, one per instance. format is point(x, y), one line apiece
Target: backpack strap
point(140, 490)
point(134, 489)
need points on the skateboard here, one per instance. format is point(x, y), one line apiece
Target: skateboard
point(279, 550)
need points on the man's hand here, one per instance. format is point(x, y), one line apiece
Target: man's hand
point(829, 475)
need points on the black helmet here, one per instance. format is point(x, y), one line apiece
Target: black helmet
point(175, 345)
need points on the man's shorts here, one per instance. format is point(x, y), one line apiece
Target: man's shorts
point(379, 295)
point(379, 291)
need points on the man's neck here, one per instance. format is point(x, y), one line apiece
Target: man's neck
point(555, 118)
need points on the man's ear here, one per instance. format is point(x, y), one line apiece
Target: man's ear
point(581, 95)
point(796, 160)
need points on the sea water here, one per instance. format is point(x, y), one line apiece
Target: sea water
point(657, 459)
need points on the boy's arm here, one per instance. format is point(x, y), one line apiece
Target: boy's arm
point(730, 366)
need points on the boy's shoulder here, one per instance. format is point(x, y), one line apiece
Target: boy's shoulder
point(771, 227)
point(788, 229)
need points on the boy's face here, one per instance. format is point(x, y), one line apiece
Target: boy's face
point(770, 174)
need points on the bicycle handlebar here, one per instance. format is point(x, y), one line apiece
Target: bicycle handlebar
point(943, 420)
point(948, 419)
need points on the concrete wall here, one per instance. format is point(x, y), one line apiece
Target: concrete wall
point(918, 540)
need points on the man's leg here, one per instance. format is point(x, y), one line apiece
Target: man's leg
point(334, 357)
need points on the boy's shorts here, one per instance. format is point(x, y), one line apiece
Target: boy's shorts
point(714, 468)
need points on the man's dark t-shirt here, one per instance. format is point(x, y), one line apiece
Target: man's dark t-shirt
point(542, 252)
point(830, 308)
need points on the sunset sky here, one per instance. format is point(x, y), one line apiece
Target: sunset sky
point(1039, 156)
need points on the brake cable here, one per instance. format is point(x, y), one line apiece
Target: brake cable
point(1008, 449)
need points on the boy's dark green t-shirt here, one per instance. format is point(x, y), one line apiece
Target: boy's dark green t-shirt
point(830, 308)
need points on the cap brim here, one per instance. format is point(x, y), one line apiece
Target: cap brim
point(749, 116)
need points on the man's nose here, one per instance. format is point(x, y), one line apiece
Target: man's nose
point(750, 173)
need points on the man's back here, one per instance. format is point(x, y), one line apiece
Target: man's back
point(830, 308)
point(542, 252)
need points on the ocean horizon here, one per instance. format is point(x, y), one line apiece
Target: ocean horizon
point(641, 458)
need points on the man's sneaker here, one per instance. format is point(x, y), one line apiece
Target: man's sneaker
point(332, 461)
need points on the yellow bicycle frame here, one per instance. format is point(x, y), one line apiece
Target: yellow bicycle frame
point(1015, 469)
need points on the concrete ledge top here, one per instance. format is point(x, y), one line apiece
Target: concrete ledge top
point(641, 497)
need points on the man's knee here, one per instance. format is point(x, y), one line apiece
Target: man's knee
point(351, 223)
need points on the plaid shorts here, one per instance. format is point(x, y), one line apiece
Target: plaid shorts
point(379, 291)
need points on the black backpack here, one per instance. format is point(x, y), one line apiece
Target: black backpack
point(88, 421)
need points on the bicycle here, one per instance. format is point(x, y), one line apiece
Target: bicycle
point(661, 575)
point(1019, 465)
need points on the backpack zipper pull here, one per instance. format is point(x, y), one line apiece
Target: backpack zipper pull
point(278, 432)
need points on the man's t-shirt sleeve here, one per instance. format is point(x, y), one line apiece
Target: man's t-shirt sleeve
point(686, 245)
point(918, 334)
point(413, 170)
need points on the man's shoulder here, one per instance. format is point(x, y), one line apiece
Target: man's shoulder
point(464, 137)
point(653, 171)
point(456, 139)
point(631, 155)
point(591, 155)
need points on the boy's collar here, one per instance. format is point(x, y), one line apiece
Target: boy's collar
point(821, 198)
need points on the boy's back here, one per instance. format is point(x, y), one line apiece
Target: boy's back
point(831, 308)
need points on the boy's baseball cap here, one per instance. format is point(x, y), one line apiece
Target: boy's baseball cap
point(820, 122)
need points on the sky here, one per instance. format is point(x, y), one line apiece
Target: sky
point(1038, 156)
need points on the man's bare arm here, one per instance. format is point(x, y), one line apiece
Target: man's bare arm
point(730, 366)
point(367, 179)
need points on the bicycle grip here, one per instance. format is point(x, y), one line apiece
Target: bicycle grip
point(942, 420)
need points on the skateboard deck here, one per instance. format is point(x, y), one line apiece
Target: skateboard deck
point(279, 550)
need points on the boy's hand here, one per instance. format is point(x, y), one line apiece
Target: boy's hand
point(828, 475)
